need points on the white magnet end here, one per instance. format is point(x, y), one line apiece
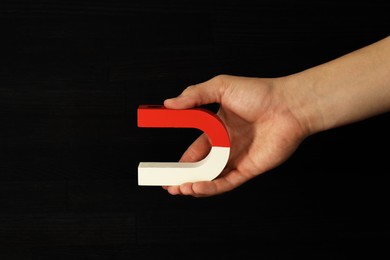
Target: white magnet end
point(177, 173)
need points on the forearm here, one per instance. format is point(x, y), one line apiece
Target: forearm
point(348, 89)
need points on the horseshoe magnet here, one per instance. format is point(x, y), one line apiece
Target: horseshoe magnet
point(176, 173)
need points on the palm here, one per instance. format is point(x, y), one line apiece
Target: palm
point(261, 136)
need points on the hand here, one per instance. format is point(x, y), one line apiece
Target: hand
point(267, 118)
point(263, 131)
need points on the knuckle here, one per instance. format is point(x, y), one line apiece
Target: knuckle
point(221, 79)
point(189, 89)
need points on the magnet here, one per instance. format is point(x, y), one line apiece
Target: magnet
point(176, 173)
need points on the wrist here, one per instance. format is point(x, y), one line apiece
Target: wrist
point(302, 101)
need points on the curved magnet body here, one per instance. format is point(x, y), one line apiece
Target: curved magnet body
point(176, 173)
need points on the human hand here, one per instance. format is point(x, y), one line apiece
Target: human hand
point(262, 128)
point(267, 118)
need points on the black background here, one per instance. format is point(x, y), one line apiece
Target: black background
point(71, 77)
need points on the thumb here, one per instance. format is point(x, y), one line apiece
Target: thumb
point(204, 93)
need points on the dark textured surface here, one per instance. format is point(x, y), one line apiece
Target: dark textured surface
point(71, 77)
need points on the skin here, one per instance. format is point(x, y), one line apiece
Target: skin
point(268, 118)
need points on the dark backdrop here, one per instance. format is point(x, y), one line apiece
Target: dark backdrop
point(71, 77)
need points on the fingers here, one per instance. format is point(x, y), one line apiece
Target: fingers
point(197, 150)
point(204, 93)
point(220, 185)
